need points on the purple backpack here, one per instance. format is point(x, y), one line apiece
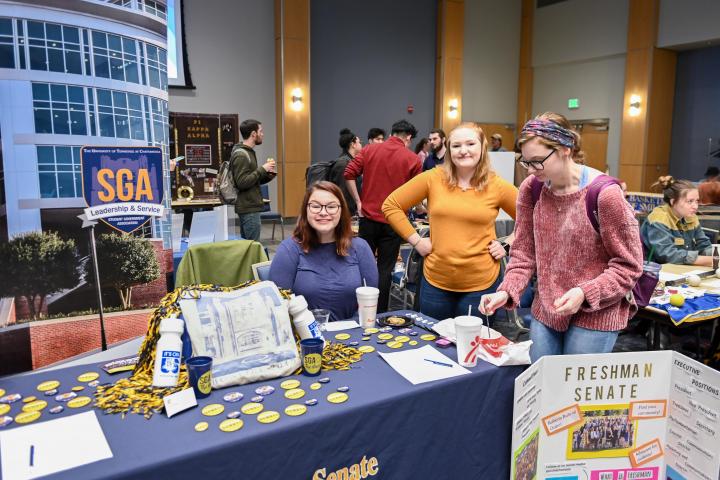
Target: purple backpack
point(643, 289)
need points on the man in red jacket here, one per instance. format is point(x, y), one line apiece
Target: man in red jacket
point(384, 167)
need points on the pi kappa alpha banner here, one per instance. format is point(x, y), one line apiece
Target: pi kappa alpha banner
point(123, 186)
point(619, 416)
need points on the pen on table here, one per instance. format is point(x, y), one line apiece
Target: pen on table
point(438, 363)
point(32, 455)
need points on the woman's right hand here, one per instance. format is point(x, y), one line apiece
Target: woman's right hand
point(492, 301)
point(424, 247)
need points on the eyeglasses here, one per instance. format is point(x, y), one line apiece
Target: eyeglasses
point(535, 164)
point(330, 208)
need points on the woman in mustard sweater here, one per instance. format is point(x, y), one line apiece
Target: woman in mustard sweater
point(464, 197)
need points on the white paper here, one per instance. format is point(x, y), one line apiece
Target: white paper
point(57, 445)
point(179, 401)
point(415, 367)
point(341, 325)
point(670, 277)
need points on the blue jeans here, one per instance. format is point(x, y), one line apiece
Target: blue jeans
point(250, 226)
point(547, 341)
point(442, 304)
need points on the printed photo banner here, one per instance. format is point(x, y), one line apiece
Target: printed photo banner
point(620, 416)
point(122, 186)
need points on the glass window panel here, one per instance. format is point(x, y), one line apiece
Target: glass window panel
point(60, 122)
point(66, 185)
point(76, 94)
point(73, 62)
point(46, 168)
point(93, 130)
point(116, 69)
point(20, 28)
point(6, 26)
point(136, 127)
point(128, 45)
point(36, 29)
point(63, 155)
point(122, 127)
point(55, 60)
point(58, 93)
point(37, 59)
point(131, 72)
point(107, 125)
point(59, 105)
point(134, 101)
point(64, 168)
point(99, 39)
point(53, 31)
point(104, 97)
point(37, 43)
point(7, 56)
point(76, 155)
point(43, 122)
point(41, 104)
point(45, 155)
point(120, 100)
point(71, 34)
point(78, 185)
point(102, 68)
point(77, 123)
point(114, 43)
point(41, 91)
point(21, 55)
point(154, 78)
point(48, 187)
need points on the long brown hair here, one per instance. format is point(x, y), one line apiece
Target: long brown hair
point(306, 235)
point(482, 169)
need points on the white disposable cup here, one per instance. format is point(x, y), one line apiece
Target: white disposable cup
point(468, 331)
point(367, 298)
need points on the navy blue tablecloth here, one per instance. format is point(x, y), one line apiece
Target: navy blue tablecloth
point(454, 428)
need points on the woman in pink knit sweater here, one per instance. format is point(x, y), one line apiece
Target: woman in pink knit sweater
point(584, 277)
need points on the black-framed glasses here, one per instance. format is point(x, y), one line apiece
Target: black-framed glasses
point(535, 164)
point(330, 208)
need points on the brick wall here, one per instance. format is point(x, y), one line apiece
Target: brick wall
point(54, 340)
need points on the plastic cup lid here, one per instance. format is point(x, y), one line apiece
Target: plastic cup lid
point(468, 321)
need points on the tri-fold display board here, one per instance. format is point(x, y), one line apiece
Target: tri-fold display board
point(620, 416)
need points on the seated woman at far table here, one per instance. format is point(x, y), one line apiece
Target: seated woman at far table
point(672, 231)
point(322, 261)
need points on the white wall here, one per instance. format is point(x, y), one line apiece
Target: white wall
point(579, 52)
point(231, 52)
point(491, 60)
point(685, 22)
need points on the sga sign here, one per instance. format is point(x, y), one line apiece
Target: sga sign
point(123, 186)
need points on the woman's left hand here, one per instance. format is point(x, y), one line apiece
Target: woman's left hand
point(496, 250)
point(570, 302)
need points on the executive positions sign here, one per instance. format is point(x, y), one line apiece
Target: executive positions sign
point(123, 186)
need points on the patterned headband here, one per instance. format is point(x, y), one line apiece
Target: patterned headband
point(549, 130)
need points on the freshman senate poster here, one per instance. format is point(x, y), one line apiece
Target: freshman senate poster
point(621, 416)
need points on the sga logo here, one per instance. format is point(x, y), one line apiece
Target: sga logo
point(123, 186)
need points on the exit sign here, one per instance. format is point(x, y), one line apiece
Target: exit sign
point(573, 103)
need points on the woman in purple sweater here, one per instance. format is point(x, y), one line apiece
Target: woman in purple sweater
point(584, 277)
point(322, 261)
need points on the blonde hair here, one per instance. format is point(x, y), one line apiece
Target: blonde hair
point(482, 173)
point(578, 155)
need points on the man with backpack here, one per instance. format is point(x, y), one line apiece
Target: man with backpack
point(384, 167)
point(248, 177)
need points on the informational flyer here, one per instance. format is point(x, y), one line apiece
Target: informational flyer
point(620, 416)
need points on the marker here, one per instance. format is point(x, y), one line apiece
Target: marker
point(32, 455)
point(438, 363)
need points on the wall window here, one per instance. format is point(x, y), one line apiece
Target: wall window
point(7, 53)
point(115, 57)
point(54, 47)
point(59, 109)
point(59, 171)
point(154, 8)
point(157, 66)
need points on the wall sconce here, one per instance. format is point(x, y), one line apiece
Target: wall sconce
point(453, 108)
point(635, 102)
point(296, 99)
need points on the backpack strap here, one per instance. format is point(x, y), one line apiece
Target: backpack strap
point(591, 199)
point(535, 189)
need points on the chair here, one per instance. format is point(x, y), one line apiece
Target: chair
point(405, 285)
point(513, 314)
point(226, 263)
point(261, 271)
point(268, 214)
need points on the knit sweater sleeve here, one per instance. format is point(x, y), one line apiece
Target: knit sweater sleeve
point(621, 239)
point(522, 254)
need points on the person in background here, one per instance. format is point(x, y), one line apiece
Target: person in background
point(709, 190)
point(672, 231)
point(376, 135)
point(248, 178)
point(711, 174)
point(464, 196)
point(351, 146)
point(436, 156)
point(496, 141)
point(584, 277)
point(384, 167)
point(421, 149)
point(322, 261)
